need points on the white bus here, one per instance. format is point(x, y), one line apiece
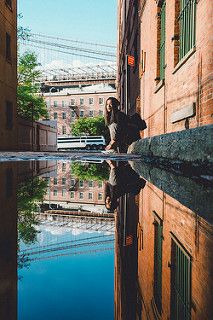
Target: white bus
point(83, 142)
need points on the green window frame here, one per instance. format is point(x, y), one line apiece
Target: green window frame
point(158, 243)
point(162, 39)
point(187, 26)
point(180, 282)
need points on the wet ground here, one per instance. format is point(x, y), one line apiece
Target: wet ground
point(90, 237)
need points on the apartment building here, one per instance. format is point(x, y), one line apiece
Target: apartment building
point(69, 104)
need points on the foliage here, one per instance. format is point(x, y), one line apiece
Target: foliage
point(90, 126)
point(90, 171)
point(30, 104)
point(29, 194)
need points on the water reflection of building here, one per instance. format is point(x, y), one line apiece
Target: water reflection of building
point(65, 189)
point(170, 267)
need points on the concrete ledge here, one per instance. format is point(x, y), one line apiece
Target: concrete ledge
point(189, 147)
point(195, 193)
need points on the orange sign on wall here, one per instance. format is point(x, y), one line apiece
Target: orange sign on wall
point(131, 61)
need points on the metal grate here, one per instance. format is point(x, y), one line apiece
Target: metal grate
point(180, 283)
point(162, 40)
point(187, 21)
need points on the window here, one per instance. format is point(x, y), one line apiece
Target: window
point(64, 192)
point(91, 113)
point(158, 237)
point(90, 184)
point(55, 181)
point(55, 103)
point(48, 103)
point(64, 166)
point(90, 195)
point(55, 192)
point(9, 115)
point(72, 182)
point(101, 101)
point(63, 103)
point(91, 101)
point(64, 115)
point(64, 130)
point(81, 101)
point(180, 282)
point(81, 183)
point(55, 115)
point(72, 194)
point(81, 115)
point(100, 196)
point(187, 22)
point(63, 181)
point(72, 101)
point(101, 113)
point(81, 195)
point(100, 184)
point(73, 114)
point(8, 47)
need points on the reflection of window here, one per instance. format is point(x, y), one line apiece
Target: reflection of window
point(81, 101)
point(64, 130)
point(72, 182)
point(91, 100)
point(81, 195)
point(90, 195)
point(64, 192)
point(81, 183)
point(72, 113)
point(100, 196)
point(91, 184)
point(55, 115)
point(81, 115)
point(181, 282)
point(100, 184)
point(72, 194)
point(64, 115)
point(63, 181)
point(64, 166)
point(91, 113)
point(55, 181)
point(158, 237)
point(55, 192)
point(101, 113)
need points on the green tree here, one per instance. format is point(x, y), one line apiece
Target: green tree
point(29, 195)
point(30, 104)
point(90, 171)
point(90, 126)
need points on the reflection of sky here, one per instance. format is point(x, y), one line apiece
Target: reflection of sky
point(68, 287)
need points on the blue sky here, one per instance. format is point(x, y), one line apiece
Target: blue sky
point(85, 20)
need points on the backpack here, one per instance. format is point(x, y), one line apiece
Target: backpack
point(136, 120)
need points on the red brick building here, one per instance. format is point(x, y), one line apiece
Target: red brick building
point(174, 65)
point(69, 104)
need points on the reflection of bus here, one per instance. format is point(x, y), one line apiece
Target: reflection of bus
point(83, 142)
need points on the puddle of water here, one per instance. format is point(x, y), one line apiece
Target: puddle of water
point(103, 240)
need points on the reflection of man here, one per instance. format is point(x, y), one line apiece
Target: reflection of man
point(122, 179)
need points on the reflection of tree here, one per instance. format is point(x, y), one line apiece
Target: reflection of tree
point(29, 194)
point(90, 171)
